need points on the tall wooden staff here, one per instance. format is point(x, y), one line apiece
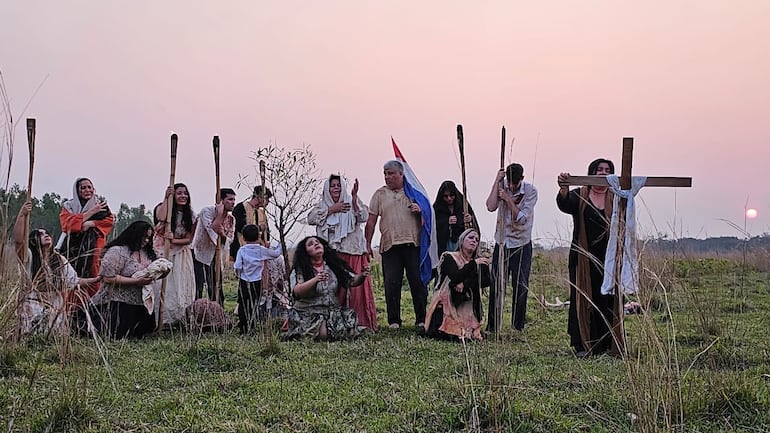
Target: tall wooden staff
point(261, 214)
point(168, 229)
point(461, 144)
point(218, 250)
point(26, 279)
point(501, 259)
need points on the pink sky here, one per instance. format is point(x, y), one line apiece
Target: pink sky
point(688, 80)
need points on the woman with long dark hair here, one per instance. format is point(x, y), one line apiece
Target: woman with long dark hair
point(86, 222)
point(318, 276)
point(121, 292)
point(180, 283)
point(450, 218)
point(50, 278)
point(590, 311)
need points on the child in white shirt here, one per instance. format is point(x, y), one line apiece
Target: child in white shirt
point(249, 264)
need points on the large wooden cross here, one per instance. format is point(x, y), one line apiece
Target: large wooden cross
point(618, 331)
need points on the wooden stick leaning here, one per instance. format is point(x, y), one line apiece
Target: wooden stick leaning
point(169, 214)
point(461, 144)
point(218, 250)
point(25, 278)
point(501, 271)
point(261, 214)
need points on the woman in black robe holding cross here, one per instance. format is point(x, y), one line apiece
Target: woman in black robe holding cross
point(590, 312)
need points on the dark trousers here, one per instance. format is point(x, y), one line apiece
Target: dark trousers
point(395, 261)
point(204, 275)
point(249, 293)
point(517, 263)
point(129, 321)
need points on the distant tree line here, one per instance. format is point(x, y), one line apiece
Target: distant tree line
point(45, 212)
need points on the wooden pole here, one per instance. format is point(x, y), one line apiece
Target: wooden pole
point(31, 132)
point(617, 327)
point(461, 144)
point(169, 214)
point(261, 214)
point(26, 279)
point(218, 251)
point(501, 271)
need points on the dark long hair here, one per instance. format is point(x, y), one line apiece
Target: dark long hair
point(187, 212)
point(593, 167)
point(303, 265)
point(55, 260)
point(132, 238)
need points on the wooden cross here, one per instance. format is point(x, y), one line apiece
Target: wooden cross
point(618, 331)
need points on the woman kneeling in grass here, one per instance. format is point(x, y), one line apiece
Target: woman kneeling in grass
point(50, 277)
point(455, 312)
point(319, 274)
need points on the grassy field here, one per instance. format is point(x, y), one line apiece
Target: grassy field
point(698, 361)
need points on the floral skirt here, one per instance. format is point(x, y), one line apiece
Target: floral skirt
point(341, 324)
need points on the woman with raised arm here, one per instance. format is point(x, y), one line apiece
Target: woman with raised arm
point(121, 295)
point(318, 276)
point(86, 222)
point(50, 278)
point(180, 283)
point(338, 218)
point(590, 312)
point(455, 311)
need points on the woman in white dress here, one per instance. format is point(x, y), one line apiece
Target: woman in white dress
point(180, 283)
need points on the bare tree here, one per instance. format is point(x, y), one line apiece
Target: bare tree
point(293, 178)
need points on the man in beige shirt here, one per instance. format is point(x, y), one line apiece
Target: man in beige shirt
point(400, 222)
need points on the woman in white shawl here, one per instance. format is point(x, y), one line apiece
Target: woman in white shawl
point(338, 218)
point(86, 221)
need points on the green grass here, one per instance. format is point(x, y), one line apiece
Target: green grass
point(394, 381)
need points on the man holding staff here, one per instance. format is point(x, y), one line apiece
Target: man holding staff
point(213, 222)
point(516, 200)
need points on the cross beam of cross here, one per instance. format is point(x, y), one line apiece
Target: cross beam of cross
point(618, 331)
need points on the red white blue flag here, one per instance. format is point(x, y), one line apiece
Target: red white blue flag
point(416, 192)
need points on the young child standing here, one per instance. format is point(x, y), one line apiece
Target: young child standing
point(249, 264)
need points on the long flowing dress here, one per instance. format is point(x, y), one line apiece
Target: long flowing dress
point(454, 314)
point(43, 308)
point(308, 313)
point(590, 311)
point(180, 283)
point(343, 232)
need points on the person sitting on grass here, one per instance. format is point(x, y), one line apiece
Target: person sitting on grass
point(249, 265)
point(318, 275)
point(455, 312)
point(50, 276)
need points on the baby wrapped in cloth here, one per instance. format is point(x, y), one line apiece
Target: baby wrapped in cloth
point(155, 270)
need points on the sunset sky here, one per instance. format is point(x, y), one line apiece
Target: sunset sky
point(689, 80)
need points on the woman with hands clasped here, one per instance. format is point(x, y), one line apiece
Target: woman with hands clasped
point(86, 221)
point(317, 278)
point(455, 312)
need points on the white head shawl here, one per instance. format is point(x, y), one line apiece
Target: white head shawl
point(73, 205)
point(343, 223)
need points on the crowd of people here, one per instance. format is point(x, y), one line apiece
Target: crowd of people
point(150, 276)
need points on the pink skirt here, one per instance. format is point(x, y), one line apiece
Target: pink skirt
point(361, 298)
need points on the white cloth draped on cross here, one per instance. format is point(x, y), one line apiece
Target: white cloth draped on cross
point(629, 269)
